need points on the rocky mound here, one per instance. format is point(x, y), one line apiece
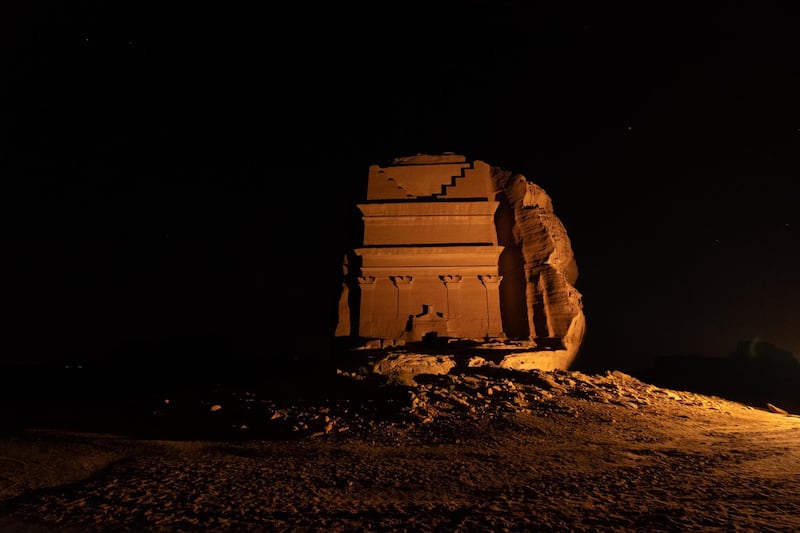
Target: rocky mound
point(384, 406)
point(477, 448)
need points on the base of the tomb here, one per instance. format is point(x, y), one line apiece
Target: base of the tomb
point(367, 356)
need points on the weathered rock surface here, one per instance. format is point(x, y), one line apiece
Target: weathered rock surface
point(401, 368)
point(538, 249)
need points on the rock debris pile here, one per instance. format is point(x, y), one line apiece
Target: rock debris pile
point(479, 448)
point(359, 404)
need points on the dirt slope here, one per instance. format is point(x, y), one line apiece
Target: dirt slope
point(482, 449)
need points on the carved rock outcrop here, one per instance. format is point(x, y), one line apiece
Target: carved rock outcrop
point(462, 254)
point(537, 249)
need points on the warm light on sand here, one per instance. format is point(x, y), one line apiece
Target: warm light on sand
point(485, 449)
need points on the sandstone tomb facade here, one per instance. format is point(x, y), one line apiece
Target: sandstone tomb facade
point(458, 250)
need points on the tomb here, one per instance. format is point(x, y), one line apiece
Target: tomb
point(444, 261)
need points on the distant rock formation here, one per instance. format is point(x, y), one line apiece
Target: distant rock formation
point(457, 252)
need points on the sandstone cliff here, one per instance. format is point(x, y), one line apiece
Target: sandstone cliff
point(539, 264)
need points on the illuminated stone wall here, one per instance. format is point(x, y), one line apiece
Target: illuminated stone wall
point(428, 266)
point(460, 249)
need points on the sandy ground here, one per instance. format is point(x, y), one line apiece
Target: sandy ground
point(477, 450)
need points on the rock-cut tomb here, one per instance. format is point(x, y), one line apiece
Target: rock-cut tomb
point(458, 252)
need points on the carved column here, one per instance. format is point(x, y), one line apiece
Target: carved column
point(403, 284)
point(367, 286)
point(492, 285)
point(452, 285)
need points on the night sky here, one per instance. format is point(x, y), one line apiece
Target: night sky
point(181, 182)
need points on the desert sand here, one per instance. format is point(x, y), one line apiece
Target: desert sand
point(479, 449)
